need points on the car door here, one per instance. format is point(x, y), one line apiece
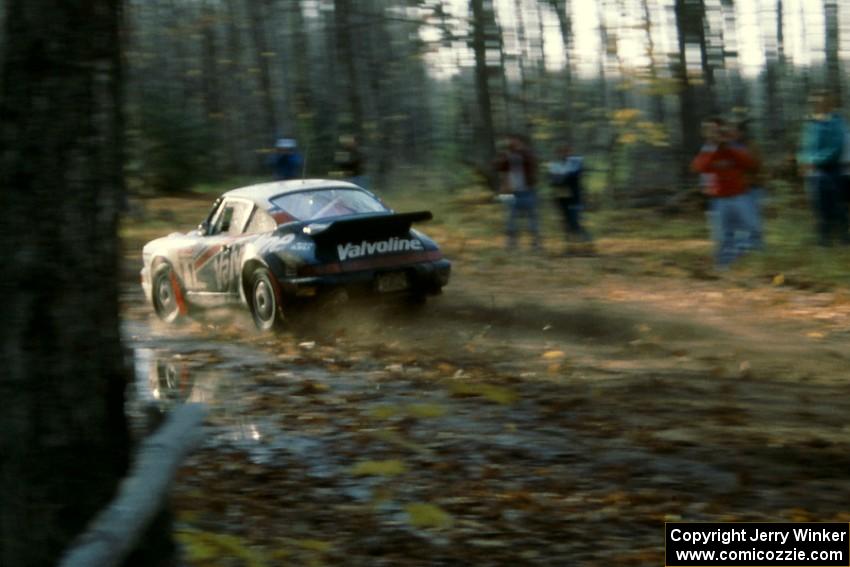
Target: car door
point(215, 258)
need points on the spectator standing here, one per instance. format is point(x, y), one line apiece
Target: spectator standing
point(518, 167)
point(565, 176)
point(845, 168)
point(755, 187)
point(286, 162)
point(821, 150)
point(726, 165)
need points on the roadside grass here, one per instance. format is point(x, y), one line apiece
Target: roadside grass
point(645, 242)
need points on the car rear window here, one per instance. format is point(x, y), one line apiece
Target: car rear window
point(327, 203)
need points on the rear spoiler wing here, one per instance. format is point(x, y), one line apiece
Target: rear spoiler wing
point(372, 226)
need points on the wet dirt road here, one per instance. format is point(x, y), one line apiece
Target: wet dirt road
point(494, 430)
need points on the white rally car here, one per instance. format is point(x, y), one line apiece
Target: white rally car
point(274, 245)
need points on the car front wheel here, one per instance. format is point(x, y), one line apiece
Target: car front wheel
point(264, 301)
point(167, 295)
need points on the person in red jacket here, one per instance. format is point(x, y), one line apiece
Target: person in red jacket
point(726, 166)
point(518, 167)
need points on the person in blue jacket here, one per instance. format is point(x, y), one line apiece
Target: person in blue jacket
point(565, 176)
point(286, 161)
point(820, 154)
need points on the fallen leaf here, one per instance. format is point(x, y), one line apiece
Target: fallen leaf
point(426, 410)
point(554, 354)
point(390, 467)
point(394, 438)
point(314, 545)
point(495, 394)
point(385, 411)
point(422, 515)
point(209, 546)
point(445, 368)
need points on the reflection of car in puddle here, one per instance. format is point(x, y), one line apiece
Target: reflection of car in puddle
point(164, 379)
point(168, 378)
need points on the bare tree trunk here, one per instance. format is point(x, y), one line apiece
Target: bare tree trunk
point(833, 64)
point(63, 435)
point(523, 72)
point(480, 23)
point(301, 53)
point(346, 55)
point(731, 56)
point(603, 53)
point(261, 54)
point(657, 100)
point(179, 67)
point(236, 135)
point(772, 75)
point(563, 10)
point(210, 85)
point(688, 119)
point(708, 53)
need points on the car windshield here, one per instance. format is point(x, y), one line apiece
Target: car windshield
point(327, 203)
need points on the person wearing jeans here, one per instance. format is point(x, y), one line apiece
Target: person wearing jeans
point(754, 239)
point(726, 166)
point(518, 167)
point(820, 160)
point(565, 177)
point(729, 217)
point(523, 204)
point(825, 190)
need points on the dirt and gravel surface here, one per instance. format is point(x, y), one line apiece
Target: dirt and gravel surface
point(543, 411)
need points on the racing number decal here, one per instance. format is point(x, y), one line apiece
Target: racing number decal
point(212, 267)
point(223, 268)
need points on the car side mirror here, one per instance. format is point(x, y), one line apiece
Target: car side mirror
point(204, 228)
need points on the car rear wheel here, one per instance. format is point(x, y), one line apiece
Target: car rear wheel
point(167, 295)
point(264, 301)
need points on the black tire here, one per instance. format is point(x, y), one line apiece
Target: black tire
point(265, 308)
point(166, 294)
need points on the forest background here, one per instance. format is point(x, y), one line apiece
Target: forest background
point(432, 85)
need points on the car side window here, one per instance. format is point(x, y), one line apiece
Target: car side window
point(222, 219)
point(230, 218)
point(209, 222)
point(260, 222)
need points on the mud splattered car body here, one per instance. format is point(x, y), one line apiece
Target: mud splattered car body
point(274, 245)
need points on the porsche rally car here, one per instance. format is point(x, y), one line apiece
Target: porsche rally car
point(274, 246)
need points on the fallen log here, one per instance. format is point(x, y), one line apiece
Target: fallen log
point(116, 530)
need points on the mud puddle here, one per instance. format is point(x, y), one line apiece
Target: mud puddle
point(469, 436)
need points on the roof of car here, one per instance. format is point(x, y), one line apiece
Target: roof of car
point(263, 193)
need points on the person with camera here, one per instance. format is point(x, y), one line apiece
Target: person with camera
point(725, 166)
